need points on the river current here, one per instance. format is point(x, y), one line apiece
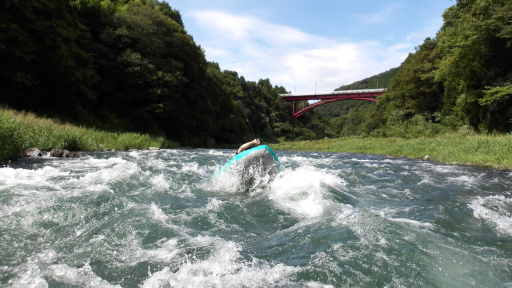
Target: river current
point(159, 219)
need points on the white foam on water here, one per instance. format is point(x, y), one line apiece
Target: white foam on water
point(368, 247)
point(437, 175)
point(216, 152)
point(438, 167)
point(116, 173)
point(27, 191)
point(129, 250)
point(496, 210)
point(159, 183)
point(224, 267)
point(81, 277)
point(411, 222)
point(427, 181)
point(302, 191)
point(24, 178)
point(360, 160)
point(234, 180)
point(98, 163)
point(318, 285)
point(38, 268)
point(227, 182)
point(464, 180)
point(301, 160)
point(193, 168)
point(367, 227)
point(167, 253)
point(390, 214)
point(38, 201)
point(372, 165)
point(158, 164)
point(214, 204)
point(134, 154)
point(157, 213)
point(29, 275)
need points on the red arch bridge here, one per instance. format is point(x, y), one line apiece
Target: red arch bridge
point(328, 97)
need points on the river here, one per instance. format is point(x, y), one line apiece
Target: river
point(159, 219)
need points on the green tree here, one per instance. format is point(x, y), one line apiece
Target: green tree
point(475, 42)
point(44, 68)
point(413, 90)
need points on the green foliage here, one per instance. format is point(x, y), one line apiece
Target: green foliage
point(350, 117)
point(498, 101)
point(11, 142)
point(476, 52)
point(462, 77)
point(459, 148)
point(415, 127)
point(381, 80)
point(19, 131)
point(43, 65)
point(129, 65)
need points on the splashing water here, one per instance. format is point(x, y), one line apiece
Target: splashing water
point(158, 219)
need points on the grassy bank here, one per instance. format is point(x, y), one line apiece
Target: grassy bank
point(483, 150)
point(20, 130)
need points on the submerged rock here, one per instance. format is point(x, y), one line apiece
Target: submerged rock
point(63, 153)
point(32, 152)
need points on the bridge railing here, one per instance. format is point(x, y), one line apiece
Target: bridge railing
point(336, 92)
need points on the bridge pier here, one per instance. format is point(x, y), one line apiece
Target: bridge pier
point(293, 106)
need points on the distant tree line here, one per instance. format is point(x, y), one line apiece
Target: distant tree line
point(347, 117)
point(130, 65)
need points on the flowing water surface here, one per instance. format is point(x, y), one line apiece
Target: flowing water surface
point(159, 219)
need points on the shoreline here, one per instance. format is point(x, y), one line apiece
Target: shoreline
point(22, 130)
point(492, 151)
point(312, 145)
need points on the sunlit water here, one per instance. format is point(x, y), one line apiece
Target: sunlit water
point(158, 219)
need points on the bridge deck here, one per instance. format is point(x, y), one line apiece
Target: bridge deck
point(327, 97)
point(333, 94)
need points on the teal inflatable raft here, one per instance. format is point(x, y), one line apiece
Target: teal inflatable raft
point(258, 160)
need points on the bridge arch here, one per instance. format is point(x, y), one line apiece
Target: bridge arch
point(367, 94)
point(318, 104)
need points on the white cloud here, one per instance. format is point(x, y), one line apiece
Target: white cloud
point(246, 28)
point(383, 15)
point(258, 49)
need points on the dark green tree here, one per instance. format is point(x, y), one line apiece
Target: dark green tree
point(44, 68)
point(475, 42)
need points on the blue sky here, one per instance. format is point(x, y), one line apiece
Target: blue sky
point(309, 46)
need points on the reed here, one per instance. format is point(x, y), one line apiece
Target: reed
point(21, 130)
point(458, 148)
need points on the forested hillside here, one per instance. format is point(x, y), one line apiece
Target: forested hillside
point(347, 117)
point(130, 65)
point(463, 77)
point(460, 79)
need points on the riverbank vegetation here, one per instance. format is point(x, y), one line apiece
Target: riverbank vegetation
point(130, 65)
point(455, 148)
point(21, 130)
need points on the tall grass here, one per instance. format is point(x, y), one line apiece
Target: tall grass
point(462, 148)
point(21, 130)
